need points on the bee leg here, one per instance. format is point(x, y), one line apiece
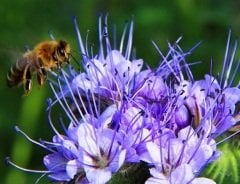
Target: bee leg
point(58, 65)
point(40, 78)
point(28, 83)
point(42, 71)
point(28, 86)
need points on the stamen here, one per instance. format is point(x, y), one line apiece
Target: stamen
point(31, 140)
point(123, 38)
point(230, 65)
point(129, 44)
point(8, 161)
point(105, 35)
point(73, 96)
point(225, 57)
point(38, 180)
point(94, 103)
point(86, 43)
point(101, 52)
point(79, 38)
point(62, 105)
point(229, 137)
point(81, 102)
point(73, 117)
point(200, 139)
point(51, 124)
point(234, 75)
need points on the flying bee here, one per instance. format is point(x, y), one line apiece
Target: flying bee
point(44, 57)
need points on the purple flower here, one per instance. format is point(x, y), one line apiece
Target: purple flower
point(101, 153)
point(121, 113)
point(125, 114)
point(110, 73)
point(168, 152)
point(63, 163)
point(181, 175)
point(86, 150)
point(109, 77)
point(213, 108)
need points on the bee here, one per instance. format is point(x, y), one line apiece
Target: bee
point(45, 56)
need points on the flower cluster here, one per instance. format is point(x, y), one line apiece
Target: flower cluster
point(122, 113)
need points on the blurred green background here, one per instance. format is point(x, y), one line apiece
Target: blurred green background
point(27, 22)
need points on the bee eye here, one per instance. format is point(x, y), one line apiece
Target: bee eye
point(61, 52)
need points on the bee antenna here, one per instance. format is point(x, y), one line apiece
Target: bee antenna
point(82, 54)
point(75, 60)
point(51, 35)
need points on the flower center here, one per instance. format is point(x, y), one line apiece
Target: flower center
point(101, 161)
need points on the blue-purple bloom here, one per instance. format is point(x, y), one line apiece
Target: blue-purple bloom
point(121, 112)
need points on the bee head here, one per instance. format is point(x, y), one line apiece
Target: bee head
point(63, 52)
